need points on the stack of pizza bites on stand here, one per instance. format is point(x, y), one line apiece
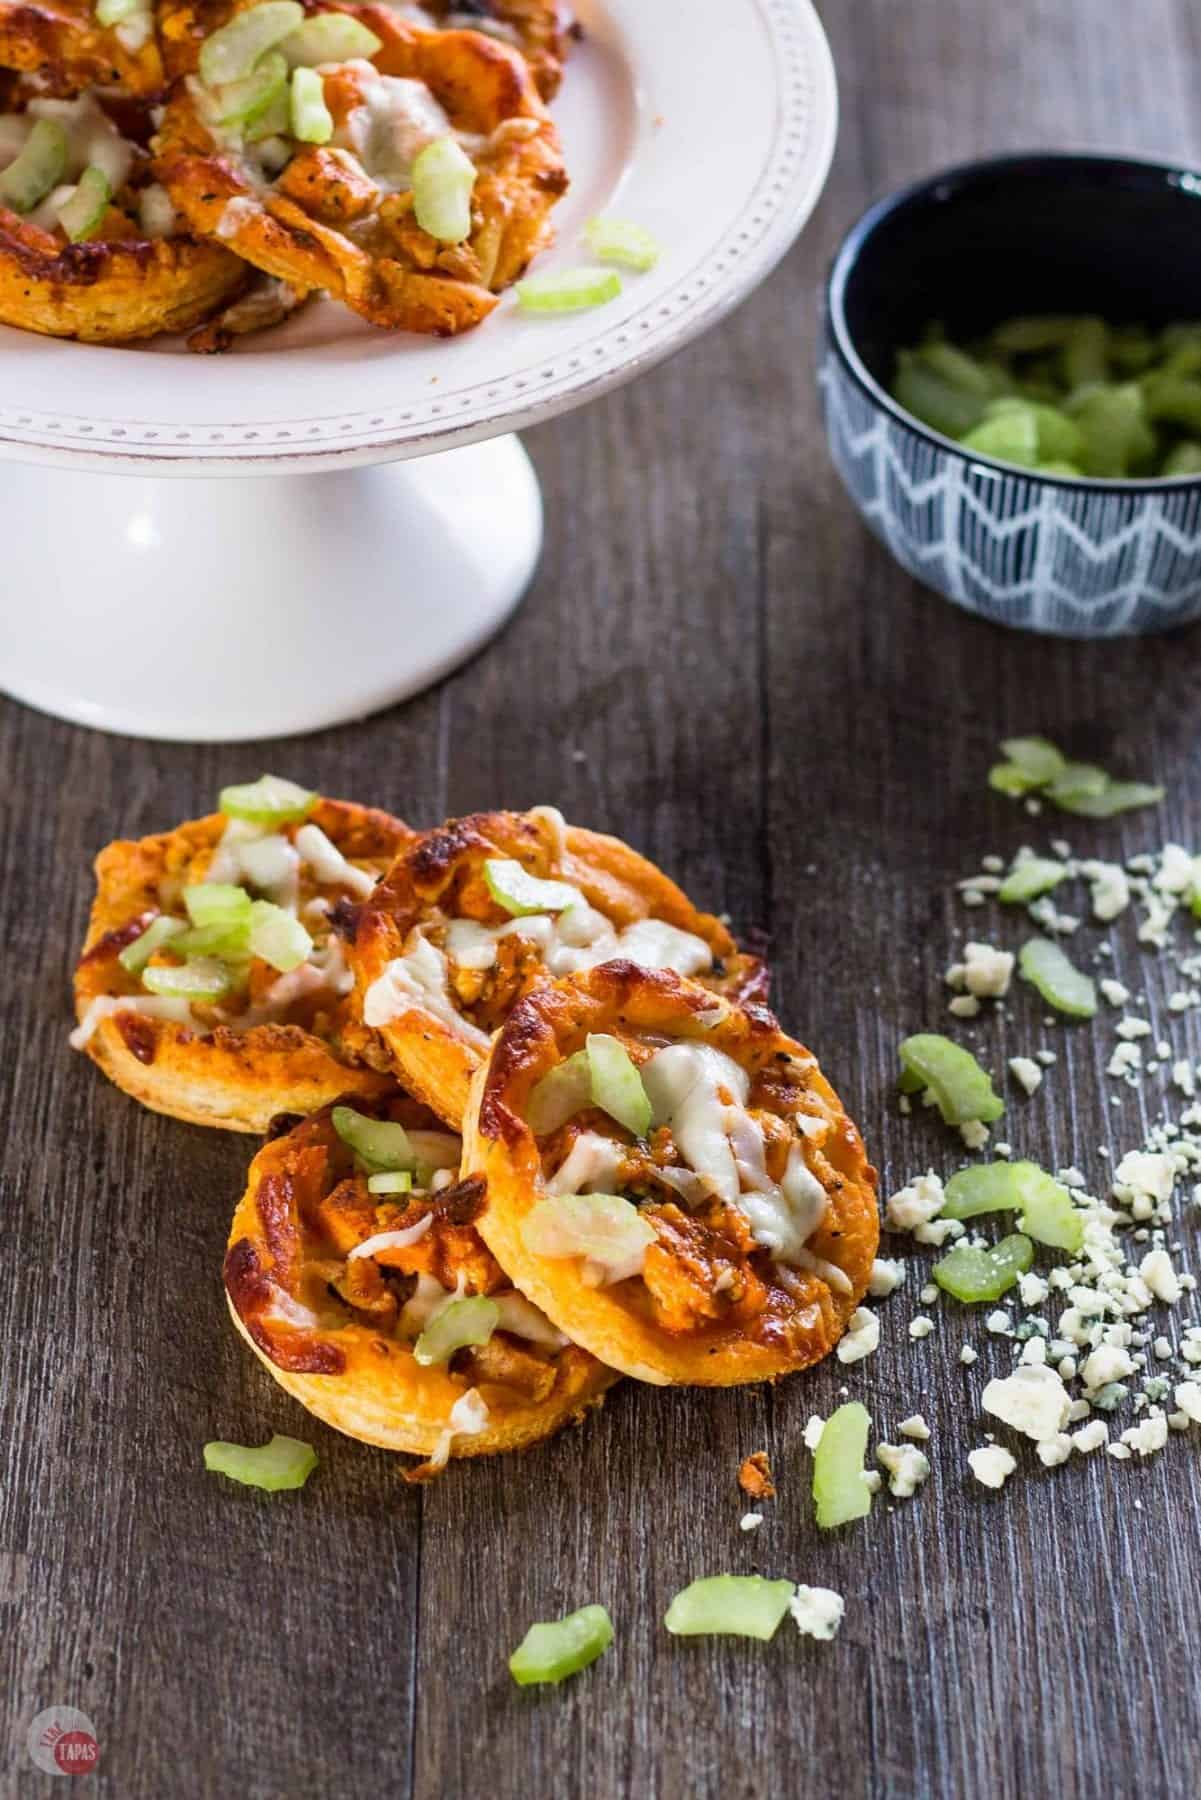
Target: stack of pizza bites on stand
point(206, 165)
point(551, 1134)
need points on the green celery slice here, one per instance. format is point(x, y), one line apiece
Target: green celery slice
point(1076, 779)
point(730, 1606)
point(229, 944)
point(1036, 755)
point(381, 1146)
point(270, 800)
point(37, 168)
point(135, 956)
point(277, 937)
point(839, 1490)
point(455, 1326)
point(1086, 353)
point(443, 182)
point(1116, 797)
point(564, 1090)
point(217, 903)
point(312, 121)
point(607, 1228)
point(231, 52)
point(203, 981)
point(1028, 335)
point(1118, 440)
point(81, 213)
point(1185, 459)
point(552, 1651)
point(283, 1463)
point(1008, 778)
point(962, 1089)
point(616, 1084)
point(568, 291)
point(390, 1181)
point(960, 369)
point(1009, 436)
point(927, 394)
point(1048, 1214)
point(329, 37)
point(523, 894)
point(243, 102)
point(617, 241)
point(1062, 985)
point(1027, 880)
point(976, 1275)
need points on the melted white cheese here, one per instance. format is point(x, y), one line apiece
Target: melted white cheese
point(157, 1006)
point(392, 1240)
point(591, 1166)
point(392, 125)
point(328, 863)
point(235, 214)
point(579, 938)
point(272, 865)
point(701, 1094)
point(469, 1414)
point(417, 982)
point(521, 1318)
point(92, 138)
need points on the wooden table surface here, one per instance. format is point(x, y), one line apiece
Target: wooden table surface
point(718, 663)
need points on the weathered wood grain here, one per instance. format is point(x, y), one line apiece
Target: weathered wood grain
point(728, 671)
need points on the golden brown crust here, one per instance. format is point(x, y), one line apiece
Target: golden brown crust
point(390, 272)
point(679, 1322)
point(60, 42)
point(542, 30)
point(111, 289)
point(357, 1375)
point(438, 877)
point(239, 1080)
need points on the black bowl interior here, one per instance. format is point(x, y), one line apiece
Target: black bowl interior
point(1029, 234)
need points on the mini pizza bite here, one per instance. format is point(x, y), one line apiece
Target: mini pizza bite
point(90, 246)
point(472, 915)
point(69, 45)
point(355, 1272)
point(408, 173)
point(212, 984)
point(671, 1179)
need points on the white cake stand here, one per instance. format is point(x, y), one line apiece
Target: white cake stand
point(348, 575)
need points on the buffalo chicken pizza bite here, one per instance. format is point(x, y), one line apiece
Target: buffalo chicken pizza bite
point(90, 245)
point(68, 45)
point(355, 1272)
point(473, 914)
point(212, 985)
point(671, 1179)
point(408, 173)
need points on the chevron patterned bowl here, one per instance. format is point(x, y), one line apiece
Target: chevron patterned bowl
point(973, 246)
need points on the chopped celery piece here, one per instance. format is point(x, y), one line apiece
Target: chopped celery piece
point(312, 121)
point(975, 1275)
point(283, 1463)
point(571, 290)
point(1048, 1214)
point(564, 1090)
point(380, 1145)
point(231, 52)
point(39, 166)
point(605, 1228)
point(270, 800)
point(83, 207)
point(217, 903)
point(523, 894)
point(1075, 779)
point(443, 181)
point(1037, 757)
point(616, 1084)
point(1173, 400)
point(231, 943)
point(329, 37)
point(1118, 440)
point(937, 402)
point(277, 937)
point(839, 1490)
point(1185, 459)
point(1060, 983)
point(270, 129)
point(961, 370)
point(1008, 778)
point(390, 1181)
point(1027, 880)
point(551, 1652)
point(455, 1326)
point(731, 1606)
point(1086, 352)
point(135, 956)
point(243, 102)
point(1116, 797)
point(202, 981)
point(1010, 436)
point(617, 241)
point(1068, 469)
point(962, 1089)
point(1026, 336)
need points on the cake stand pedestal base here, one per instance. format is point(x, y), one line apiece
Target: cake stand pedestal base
point(216, 610)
